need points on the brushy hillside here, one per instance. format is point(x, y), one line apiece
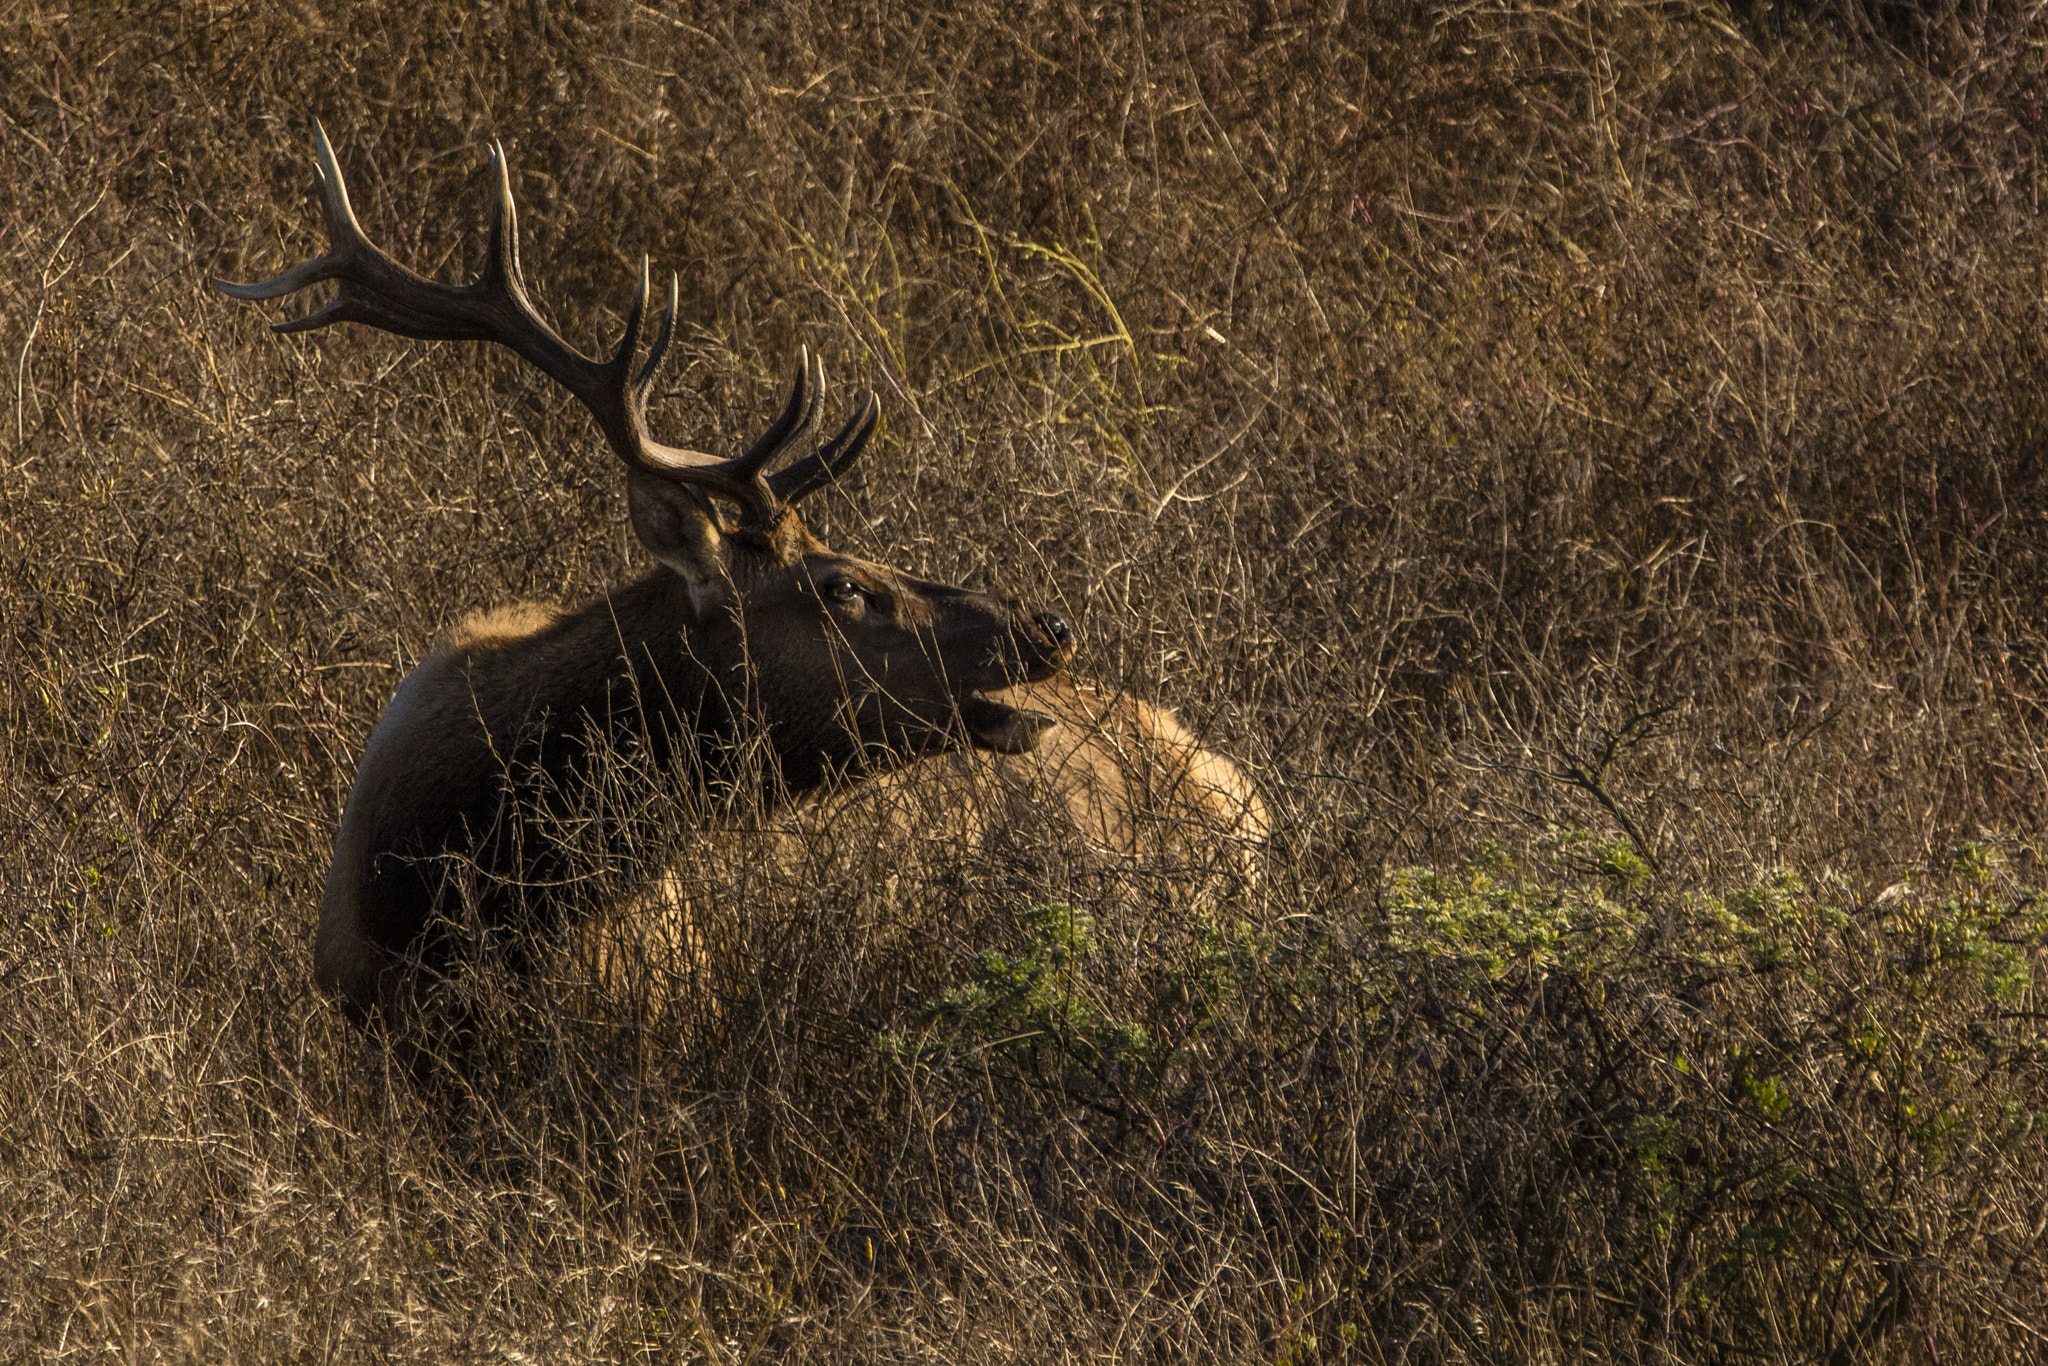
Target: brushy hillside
point(1588, 461)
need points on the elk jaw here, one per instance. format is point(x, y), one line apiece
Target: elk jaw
point(1002, 728)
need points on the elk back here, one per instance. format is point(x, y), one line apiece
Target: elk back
point(1119, 794)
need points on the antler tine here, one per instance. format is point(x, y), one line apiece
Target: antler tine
point(798, 415)
point(501, 256)
point(831, 460)
point(629, 344)
point(658, 354)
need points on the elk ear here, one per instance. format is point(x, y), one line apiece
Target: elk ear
point(677, 525)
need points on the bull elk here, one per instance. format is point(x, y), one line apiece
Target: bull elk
point(748, 632)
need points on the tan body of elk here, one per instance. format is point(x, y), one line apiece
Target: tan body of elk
point(1118, 794)
point(752, 655)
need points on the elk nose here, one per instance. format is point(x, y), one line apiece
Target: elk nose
point(1055, 627)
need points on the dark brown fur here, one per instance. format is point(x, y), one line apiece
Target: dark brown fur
point(487, 745)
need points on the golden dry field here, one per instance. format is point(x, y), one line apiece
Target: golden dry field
point(1587, 461)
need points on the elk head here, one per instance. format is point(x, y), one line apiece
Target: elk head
point(840, 658)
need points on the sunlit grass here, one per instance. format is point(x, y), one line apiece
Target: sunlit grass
point(1585, 462)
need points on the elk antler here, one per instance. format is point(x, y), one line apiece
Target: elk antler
point(379, 292)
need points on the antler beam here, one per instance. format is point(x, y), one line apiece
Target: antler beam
point(377, 291)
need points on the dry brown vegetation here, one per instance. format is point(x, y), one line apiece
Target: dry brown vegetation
point(1587, 460)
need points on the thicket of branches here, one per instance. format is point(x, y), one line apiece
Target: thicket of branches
point(1586, 460)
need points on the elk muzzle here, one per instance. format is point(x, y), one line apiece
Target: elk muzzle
point(1032, 652)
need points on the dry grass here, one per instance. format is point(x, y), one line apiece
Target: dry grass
point(1587, 460)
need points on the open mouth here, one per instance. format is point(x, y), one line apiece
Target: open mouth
point(999, 727)
point(1025, 656)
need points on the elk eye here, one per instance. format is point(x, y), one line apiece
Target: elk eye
point(842, 590)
